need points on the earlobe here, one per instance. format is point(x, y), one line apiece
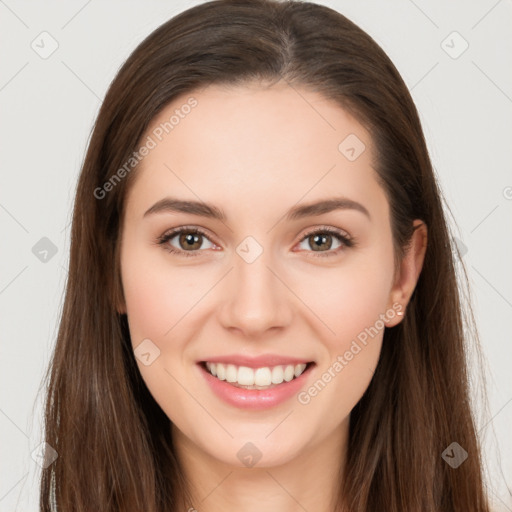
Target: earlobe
point(409, 270)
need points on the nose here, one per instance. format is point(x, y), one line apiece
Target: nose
point(255, 298)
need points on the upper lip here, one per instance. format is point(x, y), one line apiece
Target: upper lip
point(256, 361)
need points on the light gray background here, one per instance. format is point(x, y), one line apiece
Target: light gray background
point(47, 110)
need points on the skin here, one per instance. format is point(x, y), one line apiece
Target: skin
point(256, 152)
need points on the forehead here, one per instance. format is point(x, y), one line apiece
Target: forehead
point(252, 142)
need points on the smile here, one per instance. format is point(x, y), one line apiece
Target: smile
point(255, 388)
point(255, 378)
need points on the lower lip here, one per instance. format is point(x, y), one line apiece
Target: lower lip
point(255, 399)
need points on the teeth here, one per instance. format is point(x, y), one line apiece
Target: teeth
point(255, 378)
point(277, 375)
point(231, 373)
point(221, 372)
point(245, 376)
point(289, 373)
point(263, 377)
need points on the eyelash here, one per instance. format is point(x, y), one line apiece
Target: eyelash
point(345, 240)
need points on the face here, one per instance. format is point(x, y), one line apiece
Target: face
point(267, 282)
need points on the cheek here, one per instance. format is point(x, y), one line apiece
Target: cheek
point(351, 303)
point(158, 300)
point(346, 299)
point(349, 299)
point(157, 296)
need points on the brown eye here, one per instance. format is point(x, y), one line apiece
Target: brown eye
point(189, 241)
point(320, 241)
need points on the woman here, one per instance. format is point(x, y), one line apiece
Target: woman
point(262, 309)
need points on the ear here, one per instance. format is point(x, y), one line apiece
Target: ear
point(408, 272)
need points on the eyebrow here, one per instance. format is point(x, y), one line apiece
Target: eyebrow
point(170, 205)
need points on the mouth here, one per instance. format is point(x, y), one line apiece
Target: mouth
point(261, 378)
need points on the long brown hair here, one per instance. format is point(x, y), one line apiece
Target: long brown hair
point(114, 445)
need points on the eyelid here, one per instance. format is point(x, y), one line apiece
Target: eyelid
point(326, 229)
point(171, 233)
point(346, 240)
point(343, 237)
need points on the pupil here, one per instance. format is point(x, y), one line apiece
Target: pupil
point(319, 240)
point(191, 239)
